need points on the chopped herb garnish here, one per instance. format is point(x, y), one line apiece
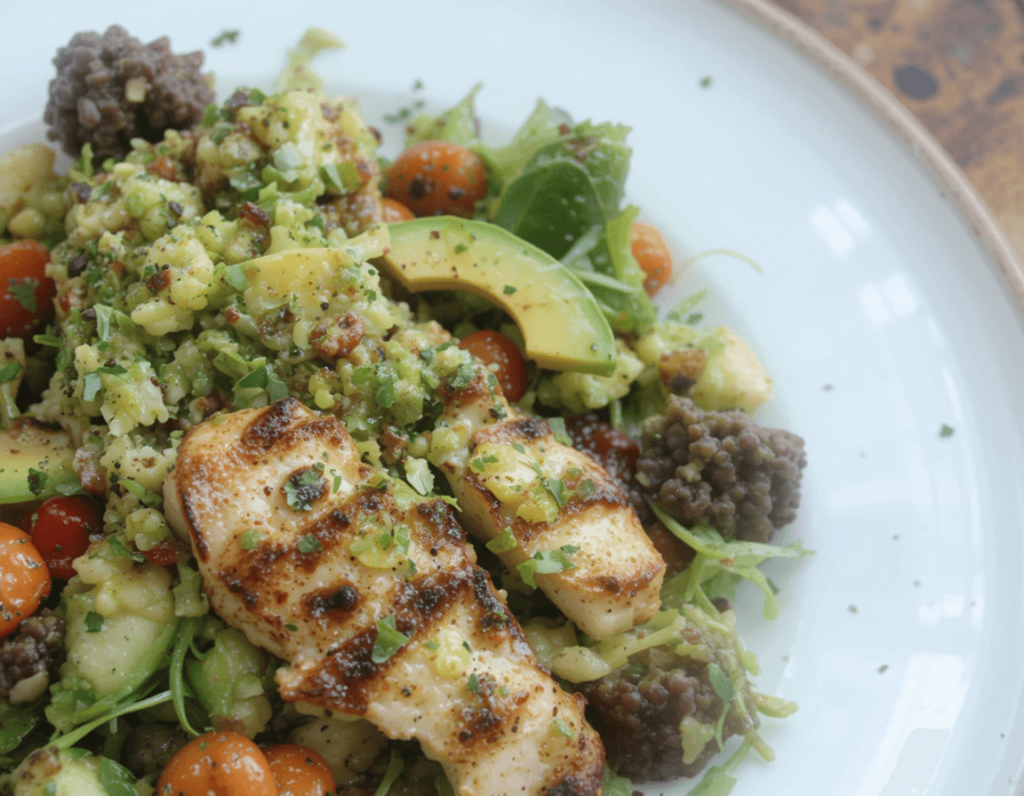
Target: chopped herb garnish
point(705, 82)
point(460, 248)
point(945, 431)
point(480, 462)
point(227, 37)
point(508, 290)
point(52, 341)
point(462, 377)
point(558, 429)
point(389, 640)
point(503, 542)
point(250, 539)
point(93, 622)
point(546, 562)
point(25, 293)
point(9, 372)
point(432, 645)
point(883, 668)
point(518, 447)
point(557, 489)
point(586, 488)
point(473, 684)
point(291, 627)
point(310, 544)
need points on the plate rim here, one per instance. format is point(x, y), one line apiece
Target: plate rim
point(910, 131)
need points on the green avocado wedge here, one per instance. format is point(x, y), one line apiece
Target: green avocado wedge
point(562, 324)
point(34, 462)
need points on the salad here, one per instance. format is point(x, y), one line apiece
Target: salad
point(323, 472)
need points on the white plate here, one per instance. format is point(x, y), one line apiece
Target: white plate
point(881, 313)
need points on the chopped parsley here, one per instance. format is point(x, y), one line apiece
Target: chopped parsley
point(558, 429)
point(93, 622)
point(508, 290)
point(9, 372)
point(586, 489)
point(480, 462)
point(310, 544)
point(563, 729)
point(460, 248)
point(250, 539)
point(945, 431)
point(557, 489)
point(462, 377)
point(389, 640)
point(473, 684)
point(25, 293)
point(546, 562)
point(227, 37)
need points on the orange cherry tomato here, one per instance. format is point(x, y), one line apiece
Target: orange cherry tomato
point(24, 578)
point(217, 764)
point(26, 293)
point(434, 178)
point(299, 771)
point(653, 256)
point(493, 348)
point(60, 530)
point(394, 212)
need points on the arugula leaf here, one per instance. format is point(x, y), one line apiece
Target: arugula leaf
point(115, 779)
point(394, 770)
point(545, 125)
point(551, 205)
point(716, 556)
point(457, 124)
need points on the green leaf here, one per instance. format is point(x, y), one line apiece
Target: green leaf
point(15, 724)
point(558, 429)
point(9, 372)
point(462, 377)
point(542, 127)
point(389, 640)
point(394, 771)
point(557, 489)
point(91, 386)
point(115, 779)
point(310, 544)
point(457, 124)
point(546, 562)
point(104, 315)
point(946, 431)
point(551, 206)
point(48, 340)
point(250, 539)
point(93, 622)
point(503, 542)
point(25, 293)
point(176, 672)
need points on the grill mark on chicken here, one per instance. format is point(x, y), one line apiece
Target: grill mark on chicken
point(303, 593)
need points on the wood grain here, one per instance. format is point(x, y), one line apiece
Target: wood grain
point(958, 65)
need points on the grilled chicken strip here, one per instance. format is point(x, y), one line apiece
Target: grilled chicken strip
point(551, 503)
point(373, 597)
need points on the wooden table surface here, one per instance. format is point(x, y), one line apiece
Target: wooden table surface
point(959, 66)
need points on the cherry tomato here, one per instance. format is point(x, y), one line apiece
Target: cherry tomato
point(677, 554)
point(614, 450)
point(299, 771)
point(493, 348)
point(395, 212)
point(26, 293)
point(653, 256)
point(60, 531)
point(24, 578)
point(217, 764)
point(434, 178)
point(163, 553)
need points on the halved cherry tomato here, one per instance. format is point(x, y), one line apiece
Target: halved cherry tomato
point(163, 553)
point(60, 530)
point(217, 764)
point(493, 348)
point(653, 256)
point(26, 293)
point(614, 450)
point(434, 178)
point(299, 771)
point(24, 578)
point(395, 212)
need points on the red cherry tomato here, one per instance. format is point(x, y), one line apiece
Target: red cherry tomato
point(24, 578)
point(395, 212)
point(614, 450)
point(299, 771)
point(493, 348)
point(652, 255)
point(434, 178)
point(60, 531)
point(163, 553)
point(26, 293)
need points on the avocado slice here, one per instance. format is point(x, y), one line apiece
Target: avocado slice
point(562, 324)
point(29, 446)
